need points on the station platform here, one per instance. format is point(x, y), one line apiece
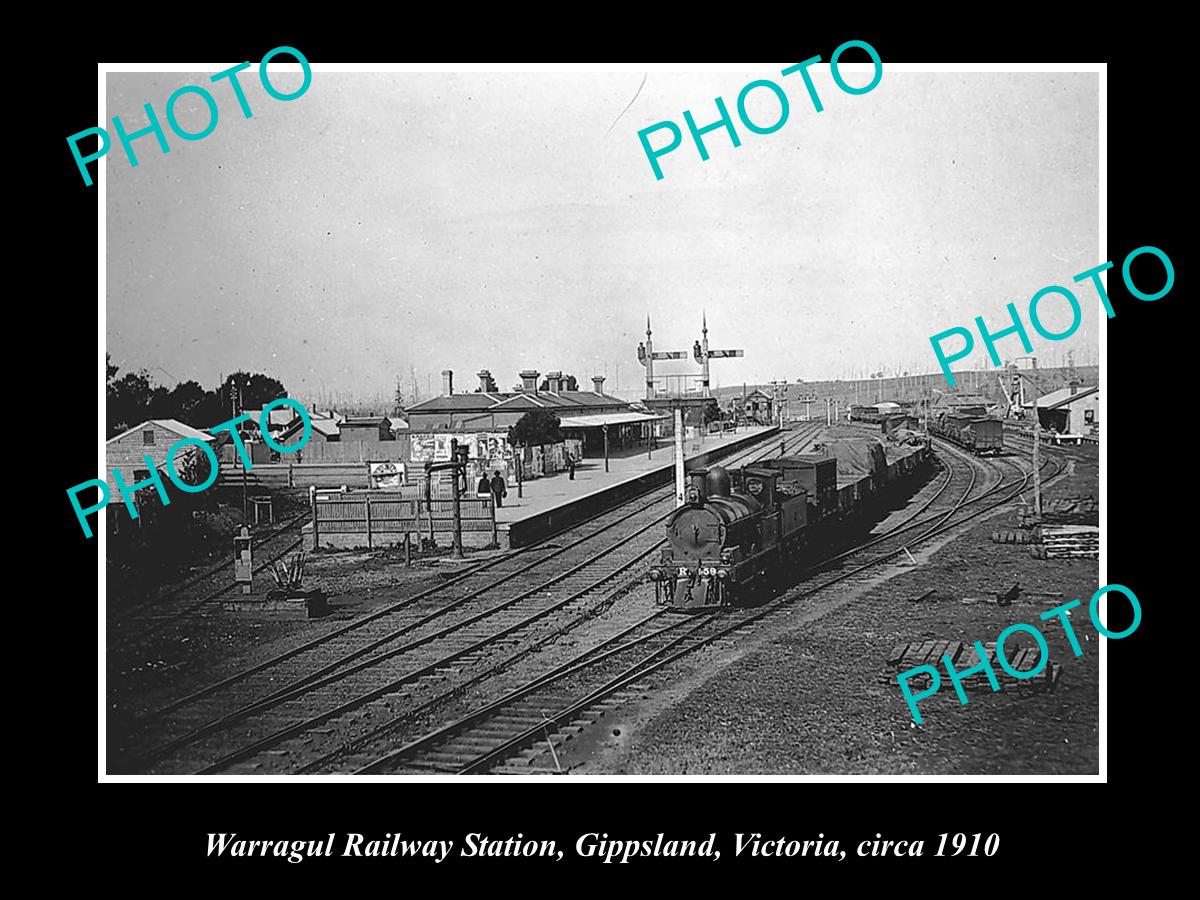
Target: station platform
point(549, 505)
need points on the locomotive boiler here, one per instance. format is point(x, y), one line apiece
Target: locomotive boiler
point(736, 533)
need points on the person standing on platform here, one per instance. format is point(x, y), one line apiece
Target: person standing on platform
point(570, 467)
point(484, 488)
point(499, 488)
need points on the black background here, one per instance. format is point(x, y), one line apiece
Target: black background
point(1042, 824)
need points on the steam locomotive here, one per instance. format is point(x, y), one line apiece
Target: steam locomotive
point(739, 531)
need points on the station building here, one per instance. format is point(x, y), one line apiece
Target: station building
point(481, 418)
point(366, 428)
point(758, 406)
point(1073, 410)
point(487, 409)
point(127, 451)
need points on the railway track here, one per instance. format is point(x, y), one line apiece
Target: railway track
point(565, 700)
point(199, 590)
point(436, 634)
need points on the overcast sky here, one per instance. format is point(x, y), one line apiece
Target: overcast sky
point(384, 222)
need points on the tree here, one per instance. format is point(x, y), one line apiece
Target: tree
point(712, 412)
point(128, 400)
point(159, 406)
point(536, 427)
point(192, 466)
point(191, 404)
point(133, 398)
point(255, 391)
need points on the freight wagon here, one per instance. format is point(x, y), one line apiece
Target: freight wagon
point(738, 532)
point(983, 436)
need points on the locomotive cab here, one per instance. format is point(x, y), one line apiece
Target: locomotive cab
point(761, 483)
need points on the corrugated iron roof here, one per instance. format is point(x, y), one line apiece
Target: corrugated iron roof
point(327, 427)
point(171, 425)
point(595, 421)
point(1063, 396)
point(280, 415)
point(458, 402)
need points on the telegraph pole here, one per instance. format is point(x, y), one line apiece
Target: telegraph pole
point(235, 398)
point(459, 471)
point(1037, 442)
point(1031, 376)
point(679, 482)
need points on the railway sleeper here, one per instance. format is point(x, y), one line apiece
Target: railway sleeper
point(447, 758)
point(436, 765)
point(522, 769)
point(473, 744)
point(540, 747)
point(519, 718)
point(496, 729)
point(551, 703)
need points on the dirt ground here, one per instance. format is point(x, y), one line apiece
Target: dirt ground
point(813, 692)
point(196, 650)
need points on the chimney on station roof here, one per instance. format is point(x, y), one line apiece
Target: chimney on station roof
point(529, 380)
point(447, 382)
point(554, 382)
point(598, 384)
point(487, 384)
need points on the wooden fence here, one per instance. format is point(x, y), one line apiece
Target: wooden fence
point(279, 476)
point(385, 517)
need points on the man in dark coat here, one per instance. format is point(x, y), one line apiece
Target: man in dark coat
point(570, 467)
point(499, 488)
point(485, 485)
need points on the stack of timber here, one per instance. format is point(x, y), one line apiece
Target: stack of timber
point(1009, 536)
point(1069, 542)
point(1063, 511)
point(963, 657)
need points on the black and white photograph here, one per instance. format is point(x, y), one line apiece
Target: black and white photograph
point(604, 422)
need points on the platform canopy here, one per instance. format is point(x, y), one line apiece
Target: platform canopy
point(606, 419)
